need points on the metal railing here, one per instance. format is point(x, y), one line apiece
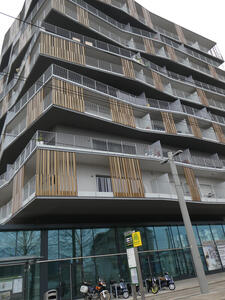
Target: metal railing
point(101, 110)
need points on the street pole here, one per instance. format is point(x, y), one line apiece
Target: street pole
point(141, 286)
point(188, 226)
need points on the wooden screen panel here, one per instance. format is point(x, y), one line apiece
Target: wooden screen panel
point(147, 17)
point(17, 192)
point(1, 84)
point(192, 183)
point(132, 8)
point(171, 53)
point(149, 46)
point(63, 49)
point(180, 34)
point(219, 132)
point(122, 113)
point(169, 122)
point(35, 107)
point(213, 72)
point(202, 96)
point(82, 16)
point(5, 105)
point(128, 68)
point(59, 5)
point(157, 81)
point(195, 127)
point(68, 95)
point(126, 177)
point(56, 173)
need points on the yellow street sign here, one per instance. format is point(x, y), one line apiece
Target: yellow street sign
point(136, 237)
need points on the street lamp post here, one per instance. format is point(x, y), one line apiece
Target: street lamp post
point(187, 223)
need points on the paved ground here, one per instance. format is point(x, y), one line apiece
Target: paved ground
point(189, 290)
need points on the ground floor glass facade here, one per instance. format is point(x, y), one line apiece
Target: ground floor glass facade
point(100, 252)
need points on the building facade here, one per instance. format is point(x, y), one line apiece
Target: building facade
point(93, 95)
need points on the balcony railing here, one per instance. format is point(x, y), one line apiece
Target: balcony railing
point(97, 109)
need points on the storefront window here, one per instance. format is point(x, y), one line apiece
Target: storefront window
point(150, 238)
point(163, 237)
point(218, 233)
point(183, 236)
point(104, 241)
point(53, 244)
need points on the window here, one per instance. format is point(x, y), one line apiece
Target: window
point(104, 183)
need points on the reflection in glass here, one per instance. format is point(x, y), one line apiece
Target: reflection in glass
point(163, 237)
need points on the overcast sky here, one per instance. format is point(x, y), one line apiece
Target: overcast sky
point(205, 17)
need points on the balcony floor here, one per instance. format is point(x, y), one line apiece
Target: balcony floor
point(64, 210)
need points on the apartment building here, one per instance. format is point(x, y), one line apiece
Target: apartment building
point(93, 95)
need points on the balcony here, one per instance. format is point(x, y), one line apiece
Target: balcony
point(17, 120)
point(55, 171)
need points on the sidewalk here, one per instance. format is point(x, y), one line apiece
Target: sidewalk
point(189, 290)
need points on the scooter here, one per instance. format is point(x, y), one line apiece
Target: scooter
point(120, 289)
point(152, 285)
point(166, 281)
point(95, 292)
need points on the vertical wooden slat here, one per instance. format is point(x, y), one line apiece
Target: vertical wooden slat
point(147, 17)
point(169, 122)
point(195, 127)
point(171, 53)
point(192, 183)
point(17, 193)
point(58, 5)
point(68, 95)
point(82, 16)
point(219, 132)
point(63, 49)
point(128, 68)
point(56, 173)
point(122, 113)
point(149, 46)
point(180, 34)
point(202, 96)
point(35, 107)
point(132, 8)
point(126, 177)
point(213, 72)
point(5, 105)
point(157, 81)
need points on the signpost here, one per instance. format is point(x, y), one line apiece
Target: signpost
point(132, 241)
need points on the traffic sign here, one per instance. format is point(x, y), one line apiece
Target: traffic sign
point(136, 237)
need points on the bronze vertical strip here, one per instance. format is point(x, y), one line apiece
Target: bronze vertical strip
point(202, 96)
point(171, 53)
point(219, 132)
point(180, 34)
point(157, 81)
point(149, 46)
point(128, 68)
point(192, 183)
point(126, 177)
point(168, 122)
point(147, 17)
point(195, 127)
point(213, 72)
